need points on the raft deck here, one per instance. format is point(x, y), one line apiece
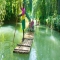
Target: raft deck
point(25, 46)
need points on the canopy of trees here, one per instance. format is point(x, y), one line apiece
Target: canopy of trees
point(38, 9)
point(10, 9)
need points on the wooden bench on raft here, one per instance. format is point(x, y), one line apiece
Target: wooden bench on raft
point(25, 46)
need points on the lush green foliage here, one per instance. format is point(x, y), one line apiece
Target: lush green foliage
point(47, 11)
point(38, 9)
point(44, 8)
point(10, 9)
point(2, 11)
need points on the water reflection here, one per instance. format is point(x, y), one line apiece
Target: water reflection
point(32, 54)
point(53, 39)
point(6, 42)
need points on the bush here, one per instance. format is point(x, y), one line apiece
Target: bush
point(54, 22)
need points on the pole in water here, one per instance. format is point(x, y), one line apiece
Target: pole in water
point(15, 29)
point(14, 35)
point(23, 35)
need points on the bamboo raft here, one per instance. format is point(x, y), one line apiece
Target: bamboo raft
point(25, 46)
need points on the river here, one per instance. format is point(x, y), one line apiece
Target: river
point(46, 44)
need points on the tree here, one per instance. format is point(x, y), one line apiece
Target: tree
point(2, 11)
point(58, 7)
point(12, 10)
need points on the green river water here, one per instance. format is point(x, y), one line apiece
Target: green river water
point(46, 44)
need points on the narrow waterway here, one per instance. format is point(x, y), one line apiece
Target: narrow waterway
point(46, 44)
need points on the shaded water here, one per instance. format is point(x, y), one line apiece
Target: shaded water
point(46, 44)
